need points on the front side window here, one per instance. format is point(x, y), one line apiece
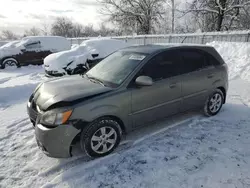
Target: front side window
point(114, 69)
point(192, 60)
point(163, 65)
point(33, 45)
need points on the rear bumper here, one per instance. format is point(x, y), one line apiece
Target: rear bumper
point(55, 142)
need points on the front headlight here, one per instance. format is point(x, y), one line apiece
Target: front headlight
point(55, 118)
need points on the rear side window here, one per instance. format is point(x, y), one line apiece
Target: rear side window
point(192, 60)
point(211, 60)
point(163, 65)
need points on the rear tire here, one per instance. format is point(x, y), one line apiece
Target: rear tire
point(101, 137)
point(214, 103)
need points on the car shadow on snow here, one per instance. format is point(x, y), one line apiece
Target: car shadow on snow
point(130, 140)
point(159, 144)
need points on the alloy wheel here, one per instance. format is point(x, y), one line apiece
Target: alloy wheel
point(215, 103)
point(103, 140)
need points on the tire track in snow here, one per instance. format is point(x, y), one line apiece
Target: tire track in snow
point(3, 80)
point(121, 148)
point(12, 151)
point(239, 97)
point(17, 122)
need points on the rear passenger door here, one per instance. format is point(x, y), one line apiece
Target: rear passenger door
point(197, 76)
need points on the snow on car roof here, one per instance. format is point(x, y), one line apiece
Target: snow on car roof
point(103, 46)
point(47, 42)
point(151, 48)
point(100, 41)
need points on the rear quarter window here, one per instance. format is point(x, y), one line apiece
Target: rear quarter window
point(211, 60)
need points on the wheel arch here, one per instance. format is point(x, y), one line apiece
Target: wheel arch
point(12, 58)
point(223, 90)
point(115, 118)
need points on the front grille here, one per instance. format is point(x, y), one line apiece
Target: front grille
point(32, 111)
point(31, 97)
point(33, 105)
point(53, 73)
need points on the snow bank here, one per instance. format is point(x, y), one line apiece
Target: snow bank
point(17, 85)
point(237, 57)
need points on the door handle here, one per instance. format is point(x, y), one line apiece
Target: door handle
point(210, 75)
point(172, 85)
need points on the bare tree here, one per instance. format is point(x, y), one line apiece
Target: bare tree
point(32, 32)
point(77, 30)
point(89, 31)
point(218, 14)
point(139, 16)
point(173, 15)
point(105, 31)
point(8, 35)
point(243, 20)
point(62, 27)
point(45, 29)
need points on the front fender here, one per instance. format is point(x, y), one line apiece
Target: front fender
point(91, 114)
point(105, 110)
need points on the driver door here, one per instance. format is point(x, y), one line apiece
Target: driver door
point(32, 53)
point(163, 98)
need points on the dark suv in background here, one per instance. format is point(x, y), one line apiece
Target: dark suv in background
point(130, 88)
point(31, 50)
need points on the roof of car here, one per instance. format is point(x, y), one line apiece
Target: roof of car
point(151, 48)
point(43, 37)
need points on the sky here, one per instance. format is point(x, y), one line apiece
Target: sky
point(20, 15)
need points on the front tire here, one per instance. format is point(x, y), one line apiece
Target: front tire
point(214, 103)
point(9, 62)
point(101, 137)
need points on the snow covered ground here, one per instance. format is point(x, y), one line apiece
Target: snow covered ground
point(185, 151)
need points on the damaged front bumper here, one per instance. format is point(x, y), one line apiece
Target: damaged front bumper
point(56, 142)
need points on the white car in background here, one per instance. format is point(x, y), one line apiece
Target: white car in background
point(80, 58)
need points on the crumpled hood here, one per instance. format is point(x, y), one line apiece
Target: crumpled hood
point(66, 89)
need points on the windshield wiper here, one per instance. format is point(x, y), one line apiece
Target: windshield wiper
point(93, 79)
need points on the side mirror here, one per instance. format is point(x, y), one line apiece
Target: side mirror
point(23, 50)
point(144, 81)
point(95, 55)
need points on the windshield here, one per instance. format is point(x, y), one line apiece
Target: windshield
point(114, 69)
point(10, 44)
